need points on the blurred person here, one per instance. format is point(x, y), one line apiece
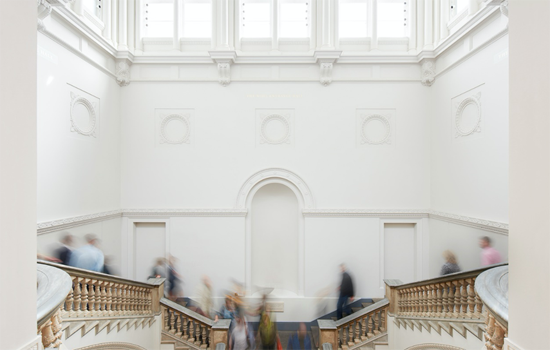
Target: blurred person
point(450, 265)
point(107, 265)
point(300, 340)
point(267, 331)
point(346, 292)
point(89, 256)
point(239, 338)
point(228, 310)
point(489, 255)
point(63, 253)
point(174, 289)
point(205, 297)
point(159, 270)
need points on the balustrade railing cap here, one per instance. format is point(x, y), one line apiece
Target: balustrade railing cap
point(492, 288)
point(53, 286)
point(156, 281)
point(363, 312)
point(393, 283)
point(326, 324)
point(186, 311)
point(96, 275)
point(450, 277)
point(221, 324)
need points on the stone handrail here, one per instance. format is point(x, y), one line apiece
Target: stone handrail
point(191, 328)
point(492, 288)
point(451, 296)
point(53, 286)
point(356, 329)
point(98, 295)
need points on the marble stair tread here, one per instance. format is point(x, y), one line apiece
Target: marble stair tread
point(366, 304)
point(355, 309)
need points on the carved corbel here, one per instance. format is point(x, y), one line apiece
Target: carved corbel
point(428, 71)
point(326, 60)
point(223, 59)
point(123, 72)
point(44, 8)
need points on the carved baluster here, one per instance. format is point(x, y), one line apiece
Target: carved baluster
point(471, 298)
point(435, 307)
point(464, 299)
point(489, 330)
point(383, 315)
point(84, 298)
point(431, 300)
point(47, 335)
point(203, 340)
point(497, 339)
point(418, 301)
point(198, 327)
point(125, 300)
point(451, 299)
point(141, 305)
point(91, 297)
point(357, 328)
point(69, 301)
point(177, 324)
point(421, 300)
point(369, 324)
point(185, 324)
point(457, 284)
point(129, 300)
point(191, 331)
point(99, 303)
point(172, 325)
point(376, 323)
point(444, 300)
point(75, 312)
point(363, 335)
point(104, 306)
point(413, 301)
point(479, 306)
point(351, 331)
point(438, 301)
point(119, 299)
point(409, 302)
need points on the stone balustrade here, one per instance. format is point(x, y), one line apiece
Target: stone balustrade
point(356, 329)
point(98, 295)
point(194, 330)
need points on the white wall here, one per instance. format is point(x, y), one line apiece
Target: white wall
point(469, 174)
point(77, 175)
point(224, 152)
point(529, 310)
point(18, 174)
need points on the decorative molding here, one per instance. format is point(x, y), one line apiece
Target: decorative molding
point(326, 60)
point(123, 72)
point(224, 59)
point(112, 346)
point(91, 129)
point(35, 344)
point(472, 100)
point(369, 213)
point(486, 225)
point(164, 120)
point(241, 211)
point(510, 345)
point(265, 174)
point(284, 119)
point(428, 71)
point(433, 346)
point(63, 224)
point(385, 120)
point(184, 212)
point(44, 10)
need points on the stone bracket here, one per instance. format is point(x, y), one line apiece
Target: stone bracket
point(122, 72)
point(223, 59)
point(326, 60)
point(44, 8)
point(428, 71)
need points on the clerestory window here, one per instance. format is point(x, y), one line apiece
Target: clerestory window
point(157, 18)
point(392, 18)
point(196, 19)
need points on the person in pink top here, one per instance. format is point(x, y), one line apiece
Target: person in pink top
point(489, 255)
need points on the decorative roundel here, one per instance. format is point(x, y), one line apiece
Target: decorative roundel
point(384, 138)
point(87, 129)
point(278, 136)
point(465, 130)
point(183, 138)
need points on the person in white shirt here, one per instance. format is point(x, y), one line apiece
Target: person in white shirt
point(89, 256)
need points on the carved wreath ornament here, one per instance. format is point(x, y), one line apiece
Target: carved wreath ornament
point(386, 138)
point(472, 100)
point(86, 130)
point(266, 138)
point(184, 138)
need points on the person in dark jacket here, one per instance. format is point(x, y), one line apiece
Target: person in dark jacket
point(300, 340)
point(346, 292)
point(64, 252)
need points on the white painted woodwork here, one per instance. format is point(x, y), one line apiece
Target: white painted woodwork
point(149, 245)
point(400, 252)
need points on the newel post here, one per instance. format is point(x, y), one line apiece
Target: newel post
point(157, 293)
point(392, 294)
point(328, 333)
point(220, 333)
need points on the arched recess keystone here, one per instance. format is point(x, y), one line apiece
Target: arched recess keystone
point(272, 173)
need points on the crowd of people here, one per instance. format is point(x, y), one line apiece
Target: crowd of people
point(89, 256)
point(489, 256)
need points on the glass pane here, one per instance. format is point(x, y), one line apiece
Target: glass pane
point(197, 12)
point(159, 30)
point(93, 7)
point(294, 30)
point(256, 11)
point(353, 20)
point(159, 11)
point(256, 30)
point(392, 18)
point(197, 29)
point(294, 12)
point(391, 29)
point(392, 11)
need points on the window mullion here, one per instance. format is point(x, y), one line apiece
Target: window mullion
point(176, 25)
point(274, 25)
point(373, 15)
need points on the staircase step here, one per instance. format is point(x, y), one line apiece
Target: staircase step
point(366, 304)
point(315, 336)
point(355, 309)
